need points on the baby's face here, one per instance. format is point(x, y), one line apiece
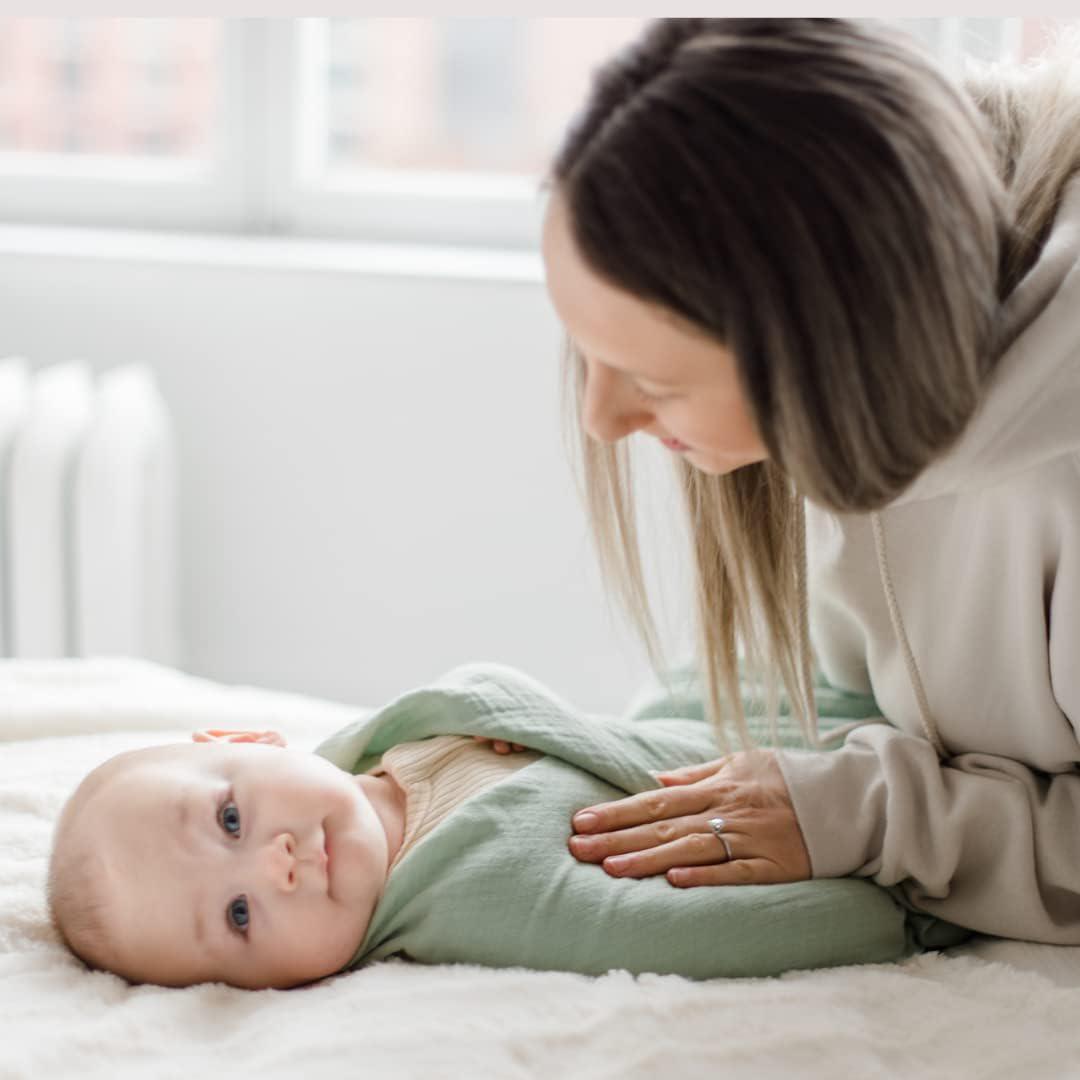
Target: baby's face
point(250, 864)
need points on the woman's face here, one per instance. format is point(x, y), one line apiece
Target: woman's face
point(646, 369)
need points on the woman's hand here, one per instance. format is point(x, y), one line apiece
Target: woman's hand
point(219, 735)
point(667, 831)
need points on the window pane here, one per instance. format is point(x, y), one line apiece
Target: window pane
point(468, 94)
point(128, 87)
point(494, 94)
point(1036, 35)
point(985, 39)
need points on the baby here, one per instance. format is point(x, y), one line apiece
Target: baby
point(235, 858)
point(232, 858)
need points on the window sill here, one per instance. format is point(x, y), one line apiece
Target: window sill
point(271, 253)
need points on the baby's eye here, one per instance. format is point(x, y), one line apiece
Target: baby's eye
point(237, 915)
point(230, 818)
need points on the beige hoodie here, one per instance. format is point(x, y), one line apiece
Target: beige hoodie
point(958, 607)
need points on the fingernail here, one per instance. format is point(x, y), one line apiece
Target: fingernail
point(585, 820)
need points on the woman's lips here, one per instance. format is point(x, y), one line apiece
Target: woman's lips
point(674, 444)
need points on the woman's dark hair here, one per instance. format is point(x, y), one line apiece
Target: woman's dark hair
point(818, 197)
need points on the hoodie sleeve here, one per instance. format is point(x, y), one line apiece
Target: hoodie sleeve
point(979, 840)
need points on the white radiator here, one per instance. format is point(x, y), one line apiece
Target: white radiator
point(87, 497)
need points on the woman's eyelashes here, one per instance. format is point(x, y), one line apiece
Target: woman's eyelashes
point(237, 914)
point(650, 396)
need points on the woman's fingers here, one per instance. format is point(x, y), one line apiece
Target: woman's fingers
point(645, 807)
point(697, 848)
point(737, 872)
point(699, 858)
point(639, 836)
point(590, 848)
point(689, 774)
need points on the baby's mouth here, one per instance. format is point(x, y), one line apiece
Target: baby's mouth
point(326, 858)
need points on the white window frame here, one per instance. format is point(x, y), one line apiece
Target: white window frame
point(264, 181)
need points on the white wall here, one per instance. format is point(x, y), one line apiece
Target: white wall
point(372, 477)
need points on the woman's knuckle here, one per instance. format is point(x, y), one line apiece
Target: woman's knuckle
point(666, 830)
point(656, 805)
point(699, 843)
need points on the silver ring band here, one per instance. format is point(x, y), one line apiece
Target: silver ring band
point(717, 825)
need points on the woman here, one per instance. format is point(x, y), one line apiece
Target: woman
point(846, 294)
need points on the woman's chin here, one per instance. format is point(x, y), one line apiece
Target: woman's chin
point(712, 466)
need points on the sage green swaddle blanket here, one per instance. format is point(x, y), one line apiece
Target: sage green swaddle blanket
point(494, 883)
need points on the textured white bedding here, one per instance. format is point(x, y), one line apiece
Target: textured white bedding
point(991, 1009)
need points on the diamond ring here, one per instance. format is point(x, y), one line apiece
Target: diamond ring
point(717, 825)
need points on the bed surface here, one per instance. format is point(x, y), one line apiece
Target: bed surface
point(988, 1009)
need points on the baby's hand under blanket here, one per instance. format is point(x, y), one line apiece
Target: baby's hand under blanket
point(500, 746)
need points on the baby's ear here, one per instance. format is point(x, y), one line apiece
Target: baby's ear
point(271, 738)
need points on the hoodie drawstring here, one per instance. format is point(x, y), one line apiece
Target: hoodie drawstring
point(839, 733)
point(804, 619)
point(928, 725)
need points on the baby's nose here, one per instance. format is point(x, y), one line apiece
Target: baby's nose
point(282, 861)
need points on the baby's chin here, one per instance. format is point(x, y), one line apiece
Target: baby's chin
point(284, 979)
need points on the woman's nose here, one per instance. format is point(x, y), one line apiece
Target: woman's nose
point(608, 413)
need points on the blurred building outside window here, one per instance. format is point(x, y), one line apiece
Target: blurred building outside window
point(109, 86)
point(366, 127)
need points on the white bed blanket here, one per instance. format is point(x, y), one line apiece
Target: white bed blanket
point(992, 1009)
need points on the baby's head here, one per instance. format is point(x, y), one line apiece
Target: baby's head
point(241, 862)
